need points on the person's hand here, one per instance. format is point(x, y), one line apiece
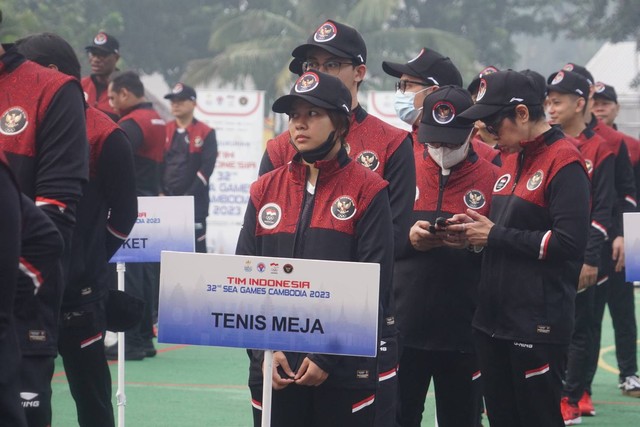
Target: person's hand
point(421, 239)
point(280, 360)
point(310, 374)
point(588, 277)
point(475, 227)
point(618, 253)
point(454, 239)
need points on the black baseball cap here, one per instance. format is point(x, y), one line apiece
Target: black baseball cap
point(604, 91)
point(181, 91)
point(104, 42)
point(337, 39)
point(320, 89)
point(430, 66)
point(502, 89)
point(570, 66)
point(440, 122)
point(569, 82)
point(473, 86)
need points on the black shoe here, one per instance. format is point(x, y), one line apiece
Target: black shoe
point(148, 349)
point(129, 353)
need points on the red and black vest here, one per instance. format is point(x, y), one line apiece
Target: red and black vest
point(23, 107)
point(153, 131)
point(370, 142)
point(91, 96)
point(197, 132)
point(99, 127)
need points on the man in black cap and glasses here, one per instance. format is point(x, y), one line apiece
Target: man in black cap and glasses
point(534, 239)
point(104, 53)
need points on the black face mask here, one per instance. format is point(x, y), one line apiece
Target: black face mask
point(319, 152)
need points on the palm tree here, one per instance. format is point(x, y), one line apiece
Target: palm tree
point(257, 43)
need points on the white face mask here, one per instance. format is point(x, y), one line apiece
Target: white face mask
point(447, 158)
point(405, 108)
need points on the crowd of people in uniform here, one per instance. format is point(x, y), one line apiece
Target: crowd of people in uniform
point(75, 154)
point(496, 222)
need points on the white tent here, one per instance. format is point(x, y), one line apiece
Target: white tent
point(618, 64)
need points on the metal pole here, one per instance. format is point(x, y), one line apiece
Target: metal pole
point(267, 388)
point(121, 398)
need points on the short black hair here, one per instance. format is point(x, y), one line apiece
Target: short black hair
point(129, 80)
point(49, 48)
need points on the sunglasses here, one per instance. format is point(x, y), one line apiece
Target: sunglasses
point(493, 123)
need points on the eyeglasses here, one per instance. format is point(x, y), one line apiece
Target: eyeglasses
point(493, 123)
point(329, 67)
point(401, 85)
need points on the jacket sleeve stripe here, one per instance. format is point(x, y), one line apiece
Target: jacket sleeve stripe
point(41, 201)
point(202, 178)
point(116, 233)
point(601, 228)
point(544, 244)
point(33, 273)
point(631, 201)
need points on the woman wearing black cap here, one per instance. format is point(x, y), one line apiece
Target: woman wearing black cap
point(534, 239)
point(326, 207)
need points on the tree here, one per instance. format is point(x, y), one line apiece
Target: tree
point(257, 41)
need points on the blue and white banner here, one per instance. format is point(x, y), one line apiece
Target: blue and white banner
point(164, 223)
point(631, 223)
point(269, 303)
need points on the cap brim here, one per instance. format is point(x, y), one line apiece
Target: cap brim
point(560, 89)
point(429, 134)
point(605, 97)
point(174, 96)
point(283, 104)
point(397, 70)
point(101, 49)
point(480, 111)
point(301, 51)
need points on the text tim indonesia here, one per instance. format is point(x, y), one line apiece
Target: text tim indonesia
point(260, 322)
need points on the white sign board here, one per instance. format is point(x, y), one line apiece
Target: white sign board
point(631, 223)
point(238, 119)
point(164, 223)
point(269, 303)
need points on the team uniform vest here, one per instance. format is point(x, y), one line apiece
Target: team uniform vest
point(149, 155)
point(370, 142)
point(22, 110)
point(436, 290)
point(523, 294)
point(91, 96)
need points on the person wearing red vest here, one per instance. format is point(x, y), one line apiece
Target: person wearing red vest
point(145, 130)
point(104, 53)
point(189, 158)
point(106, 213)
point(338, 49)
point(435, 282)
point(566, 101)
point(323, 205)
point(614, 292)
point(534, 240)
point(43, 134)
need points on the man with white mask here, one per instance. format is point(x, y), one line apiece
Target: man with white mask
point(435, 282)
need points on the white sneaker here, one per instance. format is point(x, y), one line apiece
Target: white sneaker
point(630, 386)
